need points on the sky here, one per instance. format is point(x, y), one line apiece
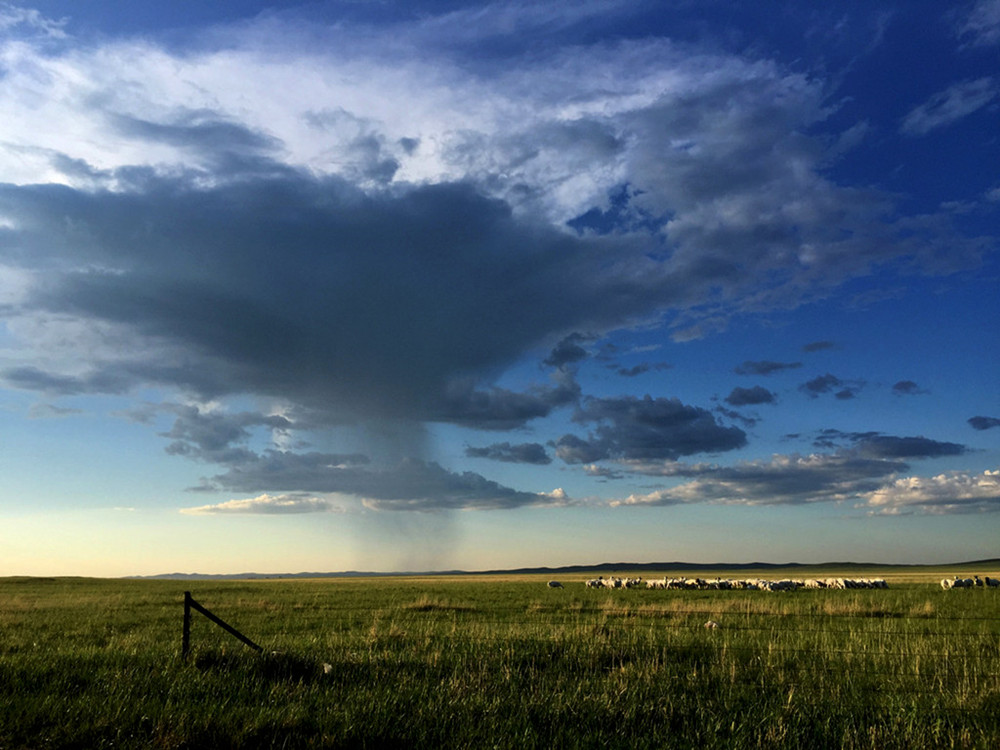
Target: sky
point(433, 285)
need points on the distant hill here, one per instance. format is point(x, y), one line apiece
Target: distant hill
point(618, 567)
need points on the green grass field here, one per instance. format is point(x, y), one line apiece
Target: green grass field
point(497, 661)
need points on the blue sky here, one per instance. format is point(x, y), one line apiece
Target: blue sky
point(407, 286)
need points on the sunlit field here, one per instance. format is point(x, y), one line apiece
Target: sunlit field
point(499, 661)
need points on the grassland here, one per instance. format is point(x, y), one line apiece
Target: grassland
point(499, 661)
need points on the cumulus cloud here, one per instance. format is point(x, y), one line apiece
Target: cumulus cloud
point(828, 383)
point(750, 396)
point(859, 465)
point(794, 480)
point(267, 505)
point(879, 445)
point(210, 435)
point(631, 428)
point(984, 423)
point(783, 480)
point(946, 107)
point(955, 492)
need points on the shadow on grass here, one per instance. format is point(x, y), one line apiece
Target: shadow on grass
point(272, 666)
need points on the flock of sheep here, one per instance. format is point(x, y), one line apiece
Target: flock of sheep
point(969, 583)
point(760, 584)
point(749, 584)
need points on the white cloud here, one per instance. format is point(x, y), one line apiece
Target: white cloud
point(955, 492)
point(13, 17)
point(558, 496)
point(982, 25)
point(568, 126)
point(267, 505)
point(950, 105)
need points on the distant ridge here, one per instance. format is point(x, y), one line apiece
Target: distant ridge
point(623, 567)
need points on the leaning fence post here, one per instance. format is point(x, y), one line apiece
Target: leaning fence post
point(186, 633)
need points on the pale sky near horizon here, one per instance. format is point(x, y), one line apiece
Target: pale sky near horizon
point(438, 285)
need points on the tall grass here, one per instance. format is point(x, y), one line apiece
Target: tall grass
point(495, 663)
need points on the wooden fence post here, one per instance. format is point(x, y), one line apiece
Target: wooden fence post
point(186, 634)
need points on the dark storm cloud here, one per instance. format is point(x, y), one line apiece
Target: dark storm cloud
point(310, 290)
point(498, 408)
point(522, 453)
point(750, 396)
point(212, 432)
point(240, 274)
point(632, 428)
point(408, 485)
point(765, 367)
point(984, 423)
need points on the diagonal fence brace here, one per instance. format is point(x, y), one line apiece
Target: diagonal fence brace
point(189, 604)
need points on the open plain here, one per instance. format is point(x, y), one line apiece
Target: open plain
point(501, 661)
